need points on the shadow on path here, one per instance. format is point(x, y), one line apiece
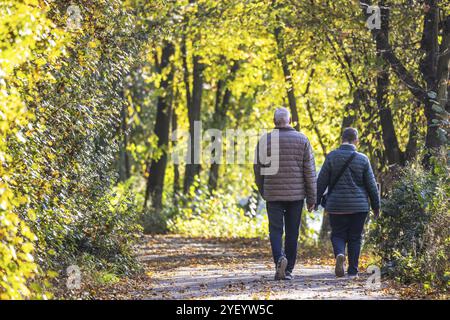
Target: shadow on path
point(188, 268)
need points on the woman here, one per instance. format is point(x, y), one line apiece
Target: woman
point(351, 183)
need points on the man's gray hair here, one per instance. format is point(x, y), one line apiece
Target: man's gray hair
point(282, 117)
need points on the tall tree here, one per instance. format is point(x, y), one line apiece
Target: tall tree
point(157, 168)
point(124, 162)
point(290, 91)
point(176, 168)
point(223, 97)
point(390, 141)
point(311, 115)
point(194, 102)
point(428, 68)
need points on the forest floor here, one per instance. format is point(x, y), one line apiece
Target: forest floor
point(177, 267)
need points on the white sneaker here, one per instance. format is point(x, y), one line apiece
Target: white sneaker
point(289, 276)
point(339, 269)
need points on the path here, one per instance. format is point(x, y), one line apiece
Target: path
point(184, 268)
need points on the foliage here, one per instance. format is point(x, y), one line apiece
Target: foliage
point(155, 221)
point(203, 214)
point(109, 231)
point(80, 83)
point(60, 102)
point(27, 41)
point(412, 235)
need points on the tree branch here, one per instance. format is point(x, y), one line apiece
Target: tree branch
point(389, 56)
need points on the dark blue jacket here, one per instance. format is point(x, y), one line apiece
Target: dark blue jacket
point(354, 188)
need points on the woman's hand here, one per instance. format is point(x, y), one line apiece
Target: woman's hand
point(376, 213)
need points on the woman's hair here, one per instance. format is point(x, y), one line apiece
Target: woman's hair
point(350, 135)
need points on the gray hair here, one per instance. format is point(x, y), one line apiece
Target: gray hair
point(282, 117)
point(350, 135)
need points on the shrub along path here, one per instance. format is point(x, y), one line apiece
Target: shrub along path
point(184, 268)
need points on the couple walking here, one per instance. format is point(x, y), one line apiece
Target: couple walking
point(347, 177)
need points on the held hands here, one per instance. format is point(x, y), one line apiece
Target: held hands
point(310, 206)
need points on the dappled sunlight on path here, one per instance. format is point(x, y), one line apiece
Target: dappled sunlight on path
point(186, 268)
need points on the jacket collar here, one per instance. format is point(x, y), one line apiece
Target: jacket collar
point(347, 146)
point(285, 128)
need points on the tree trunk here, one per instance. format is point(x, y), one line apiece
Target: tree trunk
point(176, 169)
point(193, 165)
point(447, 107)
point(311, 116)
point(214, 169)
point(443, 72)
point(411, 147)
point(287, 77)
point(391, 147)
point(316, 128)
point(389, 56)
point(155, 182)
point(220, 118)
point(428, 68)
point(124, 165)
point(350, 109)
point(194, 102)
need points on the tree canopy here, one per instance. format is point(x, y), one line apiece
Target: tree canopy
point(91, 92)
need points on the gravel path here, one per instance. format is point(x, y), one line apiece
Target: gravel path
point(185, 268)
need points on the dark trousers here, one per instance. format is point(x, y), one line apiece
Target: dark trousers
point(285, 214)
point(346, 230)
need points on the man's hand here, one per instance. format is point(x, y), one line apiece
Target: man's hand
point(376, 213)
point(310, 206)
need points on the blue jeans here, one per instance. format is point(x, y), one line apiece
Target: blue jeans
point(346, 230)
point(285, 214)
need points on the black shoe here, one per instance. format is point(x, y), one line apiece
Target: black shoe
point(280, 273)
point(339, 269)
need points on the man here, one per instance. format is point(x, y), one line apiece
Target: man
point(285, 189)
point(350, 181)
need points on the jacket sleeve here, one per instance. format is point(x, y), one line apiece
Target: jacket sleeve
point(259, 179)
point(371, 186)
point(324, 178)
point(309, 174)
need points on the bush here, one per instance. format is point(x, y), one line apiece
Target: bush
point(20, 71)
point(100, 237)
point(412, 235)
point(60, 107)
point(109, 232)
point(155, 221)
point(219, 214)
